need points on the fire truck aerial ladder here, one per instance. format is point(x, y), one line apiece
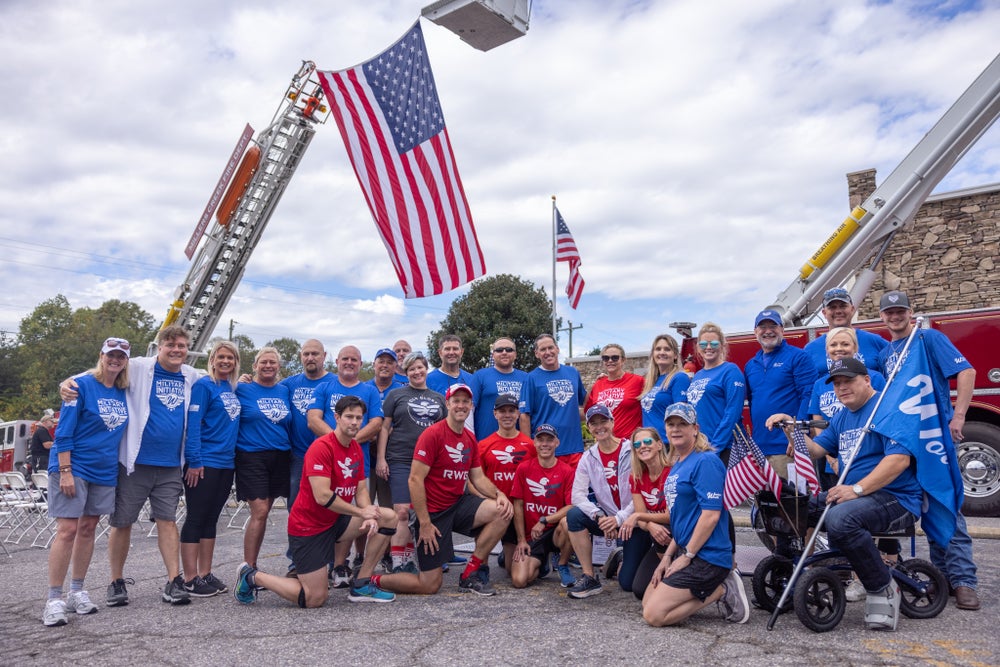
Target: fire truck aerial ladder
point(869, 229)
point(244, 211)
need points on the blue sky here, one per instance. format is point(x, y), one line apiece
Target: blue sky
point(698, 150)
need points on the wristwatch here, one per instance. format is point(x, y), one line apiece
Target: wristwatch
point(543, 521)
point(858, 490)
point(689, 554)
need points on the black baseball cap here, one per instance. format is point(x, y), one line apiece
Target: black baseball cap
point(849, 367)
point(504, 400)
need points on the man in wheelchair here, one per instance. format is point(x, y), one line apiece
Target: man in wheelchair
point(880, 493)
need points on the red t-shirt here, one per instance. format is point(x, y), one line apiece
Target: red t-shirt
point(344, 466)
point(544, 491)
point(450, 456)
point(501, 457)
point(622, 398)
point(651, 491)
point(610, 464)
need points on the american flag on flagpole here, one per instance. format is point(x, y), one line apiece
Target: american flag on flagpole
point(390, 118)
point(804, 468)
point(566, 251)
point(748, 471)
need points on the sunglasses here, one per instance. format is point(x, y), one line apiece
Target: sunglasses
point(645, 442)
point(705, 344)
point(610, 357)
point(117, 342)
point(508, 350)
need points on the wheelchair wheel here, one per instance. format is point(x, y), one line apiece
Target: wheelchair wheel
point(917, 604)
point(819, 599)
point(757, 521)
point(770, 579)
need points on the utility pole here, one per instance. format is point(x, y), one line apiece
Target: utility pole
point(570, 328)
point(231, 323)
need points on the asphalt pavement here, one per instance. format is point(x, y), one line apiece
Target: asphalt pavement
point(538, 625)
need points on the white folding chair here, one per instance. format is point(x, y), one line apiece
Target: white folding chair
point(46, 533)
point(25, 502)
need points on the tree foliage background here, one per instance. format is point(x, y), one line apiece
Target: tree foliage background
point(499, 306)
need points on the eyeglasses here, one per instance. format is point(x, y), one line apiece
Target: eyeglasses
point(636, 444)
point(120, 343)
point(504, 349)
point(611, 357)
point(705, 344)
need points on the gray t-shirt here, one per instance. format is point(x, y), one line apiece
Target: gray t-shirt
point(410, 411)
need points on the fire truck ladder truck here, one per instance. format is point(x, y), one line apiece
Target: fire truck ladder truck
point(869, 229)
point(219, 265)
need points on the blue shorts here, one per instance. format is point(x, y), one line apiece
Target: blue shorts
point(399, 483)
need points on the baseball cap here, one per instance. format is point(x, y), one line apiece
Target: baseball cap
point(894, 299)
point(457, 387)
point(685, 411)
point(387, 352)
point(504, 400)
point(849, 367)
point(119, 344)
point(837, 294)
point(547, 429)
point(768, 315)
point(598, 410)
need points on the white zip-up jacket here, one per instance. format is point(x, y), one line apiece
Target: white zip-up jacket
point(590, 475)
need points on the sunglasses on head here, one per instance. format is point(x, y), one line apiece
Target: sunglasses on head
point(117, 343)
point(610, 357)
point(503, 349)
point(636, 444)
point(705, 344)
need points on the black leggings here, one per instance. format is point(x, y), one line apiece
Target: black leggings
point(204, 504)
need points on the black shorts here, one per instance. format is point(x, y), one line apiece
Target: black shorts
point(510, 535)
point(543, 546)
point(313, 552)
point(700, 577)
point(263, 474)
point(461, 517)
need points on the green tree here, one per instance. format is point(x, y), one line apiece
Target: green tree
point(247, 352)
point(502, 305)
point(290, 361)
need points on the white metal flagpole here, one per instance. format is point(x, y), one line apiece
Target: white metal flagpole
point(554, 267)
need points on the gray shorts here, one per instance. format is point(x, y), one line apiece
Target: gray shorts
point(90, 499)
point(161, 485)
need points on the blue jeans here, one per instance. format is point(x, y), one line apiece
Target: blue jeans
point(634, 549)
point(850, 525)
point(956, 561)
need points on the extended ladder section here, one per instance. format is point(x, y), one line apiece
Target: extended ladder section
point(868, 230)
point(219, 264)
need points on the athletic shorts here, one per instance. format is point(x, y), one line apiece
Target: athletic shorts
point(162, 486)
point(90, 499)
point(399, 483)
point(510, 535)
point(261, 475)
point(700, 577)
point(314, 552)
point(459, 517)
point(543, 546)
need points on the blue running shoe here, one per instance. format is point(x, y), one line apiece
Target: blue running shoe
point(370, 593)
point(566, 578)
point(244, 591)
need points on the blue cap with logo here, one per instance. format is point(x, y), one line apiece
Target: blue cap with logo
point(386, 352)
point(598, 410)
point(766, 315)
point(837, 294)
point(685, 411)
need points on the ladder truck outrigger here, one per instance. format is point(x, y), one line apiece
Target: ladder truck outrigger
point(244, 211)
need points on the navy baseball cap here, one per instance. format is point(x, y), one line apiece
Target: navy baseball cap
point(598, 410)
point(849, 367)
point(765, 315)
point(386, 352)
point(546, 429)
point(503, 400)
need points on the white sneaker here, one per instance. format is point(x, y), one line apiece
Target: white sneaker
point(882, 608)
point(856, 591)
point(79, 602)
point(55, 612)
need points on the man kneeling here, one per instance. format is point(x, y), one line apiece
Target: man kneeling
point(334, 473)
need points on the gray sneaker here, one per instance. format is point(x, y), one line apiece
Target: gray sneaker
point(117, 593)
point(340, 577)
point(213, 580)
point(736, 608)
point(174, 592)
point(79, 602)
point(586, 586)
point(478, 582)
point(55, 613)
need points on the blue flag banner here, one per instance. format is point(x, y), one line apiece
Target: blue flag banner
point(910, 414)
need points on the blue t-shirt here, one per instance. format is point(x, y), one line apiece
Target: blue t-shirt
point(555, 397)
point(213, 424)
point(717, 395)
point(869, 347)
point(91, 427)
point(325, 398)
point(164, 432)
point(944, 359)
point(265, 417)
point(439, 381)
point(780, 381)
point(824, 400)
point(655, 402)
point(392, 385)
point(693, 485)
point(301, 390)
point(487, 384)
point(846, 429)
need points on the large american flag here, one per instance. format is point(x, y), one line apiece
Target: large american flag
point(804, 468)
point(566, 251)
point(390, 118)
point(749, 471)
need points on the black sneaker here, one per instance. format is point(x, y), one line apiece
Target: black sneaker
point(213, 580)
point(199, 588)
point(478, 582)
point(174, 592)
point(117, 593)
point(340, 577)
point(585, 587)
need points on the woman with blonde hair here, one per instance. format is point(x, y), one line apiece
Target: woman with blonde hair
point(717, 391)
point(666, 382)
point(210, 461)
